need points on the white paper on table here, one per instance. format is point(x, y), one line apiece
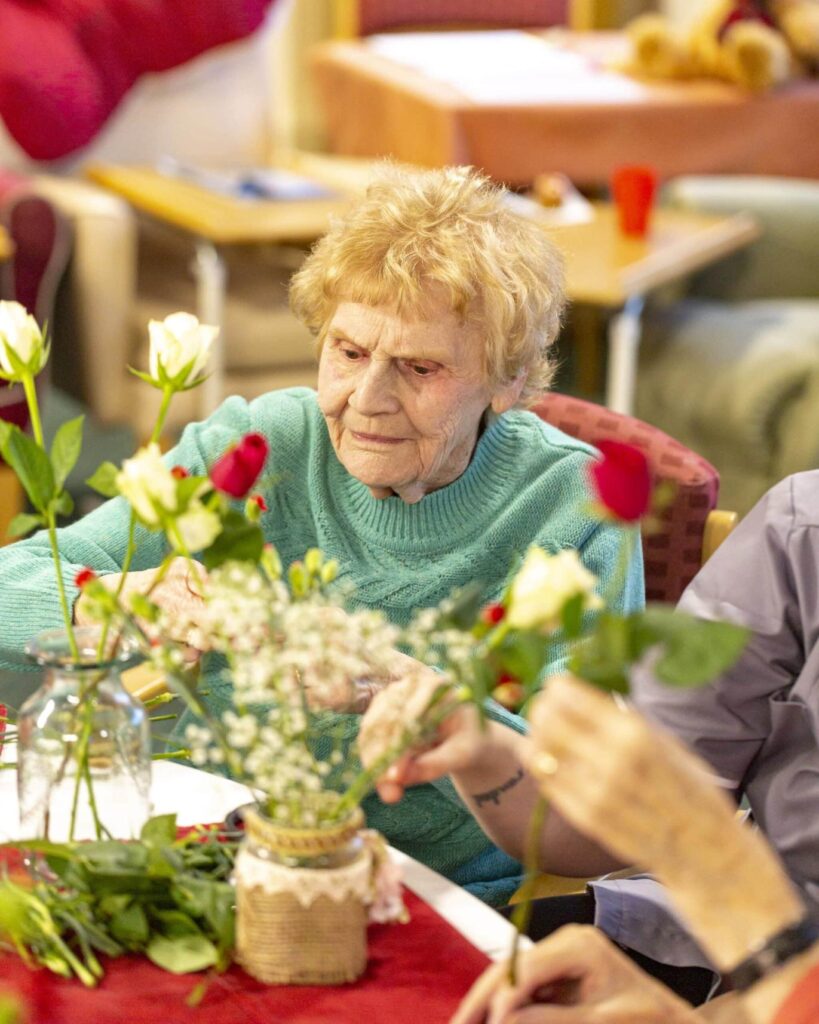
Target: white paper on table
point(506, 67)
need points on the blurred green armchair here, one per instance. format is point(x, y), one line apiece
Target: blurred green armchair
point(731, 366)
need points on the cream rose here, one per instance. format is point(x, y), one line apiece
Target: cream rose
point(179, 348)
point(20, 339)
point(543, 586)
point(147, 485)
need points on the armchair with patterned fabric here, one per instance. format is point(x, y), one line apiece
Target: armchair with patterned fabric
point(691, 527)
point(731, 367)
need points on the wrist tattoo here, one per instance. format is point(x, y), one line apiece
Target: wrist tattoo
point(493, 796)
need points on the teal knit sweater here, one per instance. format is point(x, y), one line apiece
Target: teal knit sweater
point(525, 485)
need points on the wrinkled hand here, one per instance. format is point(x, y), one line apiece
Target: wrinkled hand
point(576, 976)
point(402, 706)
point(641, 794)
point(618, 779)
point(177, 595)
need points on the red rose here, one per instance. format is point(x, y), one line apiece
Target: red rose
point(622, 481)
point(492, 614)
point(260, 502)
point(83, 577)
point(238, 469)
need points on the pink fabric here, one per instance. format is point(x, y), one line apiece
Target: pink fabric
point(66, 64)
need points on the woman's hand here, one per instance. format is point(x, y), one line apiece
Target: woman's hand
point(650, 801)
point(401, 706)
point(576, 976)
point(177, 594)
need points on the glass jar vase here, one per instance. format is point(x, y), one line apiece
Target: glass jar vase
point(84, 751)
point(301, 902)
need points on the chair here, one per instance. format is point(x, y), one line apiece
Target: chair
point(690, 527)
point(731, 366)
point(367, 17)
point(42, 246)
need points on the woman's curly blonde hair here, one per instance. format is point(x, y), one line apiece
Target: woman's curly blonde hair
point(450, 228)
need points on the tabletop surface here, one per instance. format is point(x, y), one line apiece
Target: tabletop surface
point(198, 797)
point(226, 220)
point(554, 101)
point(605, 267)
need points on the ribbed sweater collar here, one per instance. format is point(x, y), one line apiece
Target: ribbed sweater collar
point(442, 519)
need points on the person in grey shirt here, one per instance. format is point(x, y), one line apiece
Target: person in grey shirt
point(757, 726)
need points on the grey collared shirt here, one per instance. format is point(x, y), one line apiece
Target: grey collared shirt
point(758, 724)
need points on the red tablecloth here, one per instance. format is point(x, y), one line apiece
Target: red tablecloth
point(417, 971)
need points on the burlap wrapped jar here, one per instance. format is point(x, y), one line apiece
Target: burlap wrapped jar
point(301, 902)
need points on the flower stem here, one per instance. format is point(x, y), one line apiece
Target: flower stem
point(67, 617)
point(30, 391)
point(523, 910)
point(167, 395)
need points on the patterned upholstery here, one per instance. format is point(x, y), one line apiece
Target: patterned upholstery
point(383, 15)
point(673, 554)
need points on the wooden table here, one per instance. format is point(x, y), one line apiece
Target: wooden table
point(213, 220)
point(516, 104)
point(605, 268)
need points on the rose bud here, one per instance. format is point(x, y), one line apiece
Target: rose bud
point(492, 614)
point(239, 468)
point(621, 481)
point(509, 693)
point(84, 577)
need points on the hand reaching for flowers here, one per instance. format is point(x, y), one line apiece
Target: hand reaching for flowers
point(641, 794)
point(573, 977)
point(177, 594)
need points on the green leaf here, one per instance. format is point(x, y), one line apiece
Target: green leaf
point(187, 488)
point(523, 653)
point(173, 923)
point(571, 616)
point(143, 606)
point(65, 449)
point(146, 377)
point(32, 466)
point(130, 926)
point(183, 954)
point(64, 505)
point(104, 480)
point(211, 901)
point(5, 431)
point(23, 523)
point(239, 541)
point(159, 830)
point(700, 653)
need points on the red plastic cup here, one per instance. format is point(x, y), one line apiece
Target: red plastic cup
point(633, 189)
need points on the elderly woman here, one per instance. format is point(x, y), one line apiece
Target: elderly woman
point(413, 465)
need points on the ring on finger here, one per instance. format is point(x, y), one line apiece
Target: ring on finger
point(545, 763)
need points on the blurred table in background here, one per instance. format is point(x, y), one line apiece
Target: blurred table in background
point(516, 104)
point(608, 269)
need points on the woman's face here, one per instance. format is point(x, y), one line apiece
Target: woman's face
point(403, 396)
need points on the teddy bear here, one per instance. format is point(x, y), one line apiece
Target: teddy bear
point(755, 44)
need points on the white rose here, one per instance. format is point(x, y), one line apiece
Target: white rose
point(179, 349)
point(147, 484)
point(19, 333)
point(198, 527)
point(544, 584)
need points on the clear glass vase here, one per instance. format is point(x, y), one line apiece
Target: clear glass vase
point(301, 901)
point(84, 751)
